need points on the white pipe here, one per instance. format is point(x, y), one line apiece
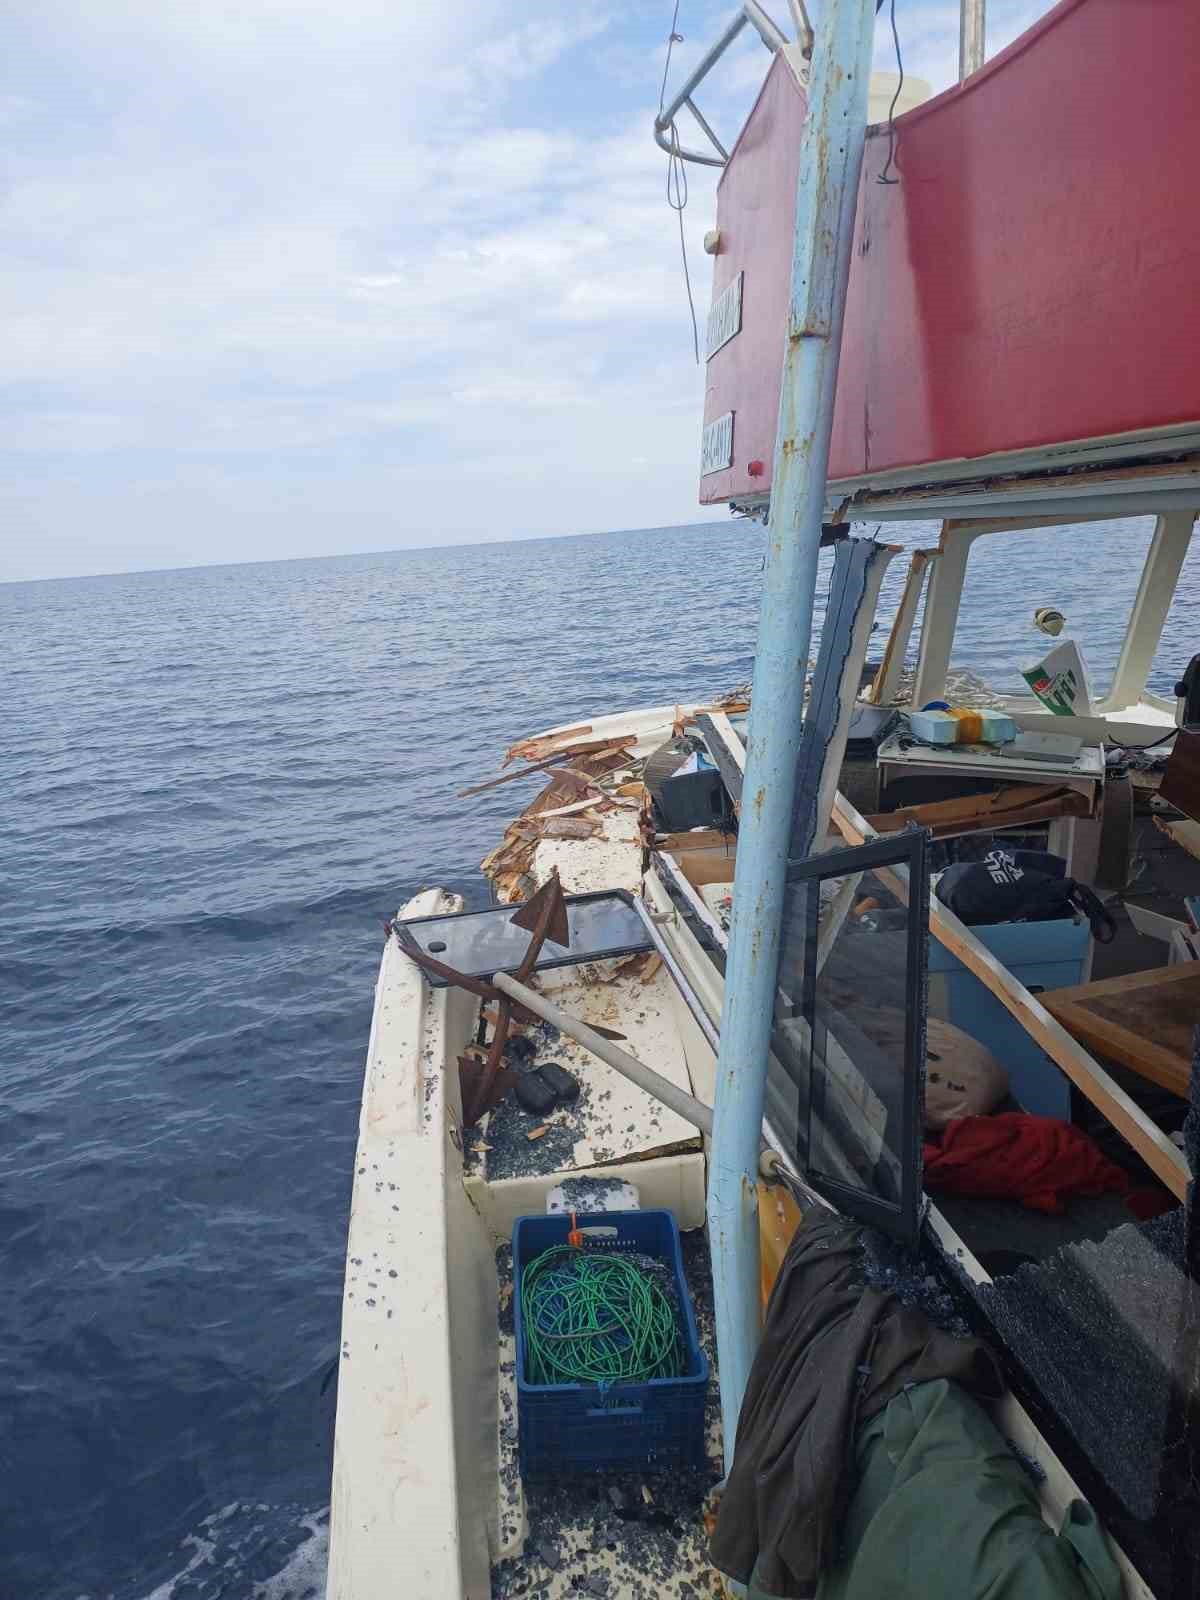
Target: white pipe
point(758, 19)
point(677, 1100)
point(802, 25)
point(826, 199)
point(972, 32)
point(1156, 591)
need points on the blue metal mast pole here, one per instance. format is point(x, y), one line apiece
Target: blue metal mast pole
point(826, 197)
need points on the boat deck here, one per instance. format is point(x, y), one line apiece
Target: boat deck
point(426, 1457)
point(612, 1120)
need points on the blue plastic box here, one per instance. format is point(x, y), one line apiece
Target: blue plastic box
point(1042, 955)
point(941, 727)
point(579, 1428)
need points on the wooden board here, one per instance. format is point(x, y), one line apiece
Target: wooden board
point(1185, 834)
point(697, 839)
point(1144, 1020)
point(1017, 806)
point(1181, 781)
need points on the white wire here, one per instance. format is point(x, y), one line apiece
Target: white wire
point(677, 182)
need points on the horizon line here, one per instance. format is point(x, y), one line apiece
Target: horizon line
point(344, 555)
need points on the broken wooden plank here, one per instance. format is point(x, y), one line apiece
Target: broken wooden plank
point(510, 864)
point(595, 749)
point(544, 744)
point(1126, 1116)
point(778, 1219)
point(1015, 806)
point(565, 811)
point(883, 689)
point(1180, 785)
point(697, 839)
point(588, 782)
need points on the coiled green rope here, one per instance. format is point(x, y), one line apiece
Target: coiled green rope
point(597, 1316)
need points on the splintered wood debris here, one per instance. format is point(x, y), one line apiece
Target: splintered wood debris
point(592, 748)
point(571, 806)
point(589, 778)
point(569, 828)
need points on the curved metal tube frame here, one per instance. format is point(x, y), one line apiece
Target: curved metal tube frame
point(664, 135)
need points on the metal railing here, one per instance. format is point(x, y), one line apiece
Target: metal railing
point(971, 56)
point(666, 136)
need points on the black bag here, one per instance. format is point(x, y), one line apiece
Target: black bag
point(1020, 886)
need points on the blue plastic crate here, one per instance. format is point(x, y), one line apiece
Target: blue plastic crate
point(627, 1427)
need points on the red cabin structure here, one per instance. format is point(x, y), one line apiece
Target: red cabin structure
point(1022, 297)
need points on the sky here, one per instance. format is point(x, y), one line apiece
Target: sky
point(302, 277)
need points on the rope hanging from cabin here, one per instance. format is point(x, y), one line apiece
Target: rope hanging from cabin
point(677, 182)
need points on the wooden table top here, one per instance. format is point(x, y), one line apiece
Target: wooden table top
point(1144, 1020)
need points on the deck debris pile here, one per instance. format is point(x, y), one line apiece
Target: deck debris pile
point(588, 779)
point(517, 1141)
point(580, 792)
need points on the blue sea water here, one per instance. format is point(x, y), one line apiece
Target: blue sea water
point(215, 785)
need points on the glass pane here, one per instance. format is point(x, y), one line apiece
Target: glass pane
point(846, 1081)
point(1011, 574)
point(479, 943)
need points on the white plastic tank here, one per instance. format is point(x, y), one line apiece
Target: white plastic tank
point(883, 86)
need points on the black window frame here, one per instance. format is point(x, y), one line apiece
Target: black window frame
point(911, 849)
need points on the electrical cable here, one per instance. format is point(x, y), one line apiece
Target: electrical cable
point(677, 183)
point(597, 1316)
point(1112, 744)
point(673, 38)
point(887, 166)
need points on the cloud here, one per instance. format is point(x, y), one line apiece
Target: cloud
point(330, 274)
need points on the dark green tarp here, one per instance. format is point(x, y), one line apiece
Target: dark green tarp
point(833, 1354)
point(944, 1511)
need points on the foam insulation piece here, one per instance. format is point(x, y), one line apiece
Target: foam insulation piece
point(1098, 1326)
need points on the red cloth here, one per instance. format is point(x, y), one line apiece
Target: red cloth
point(1036, 1160)
point(1150, 1201)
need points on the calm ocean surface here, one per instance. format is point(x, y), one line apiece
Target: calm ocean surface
point(214, 786)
